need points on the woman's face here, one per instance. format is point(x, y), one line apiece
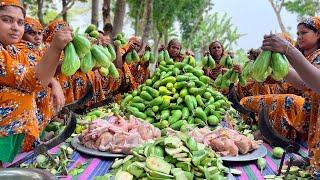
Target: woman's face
point(216, 50)
point(35, 37)
point(174, 50)
point(11, 25)
point(136, 45)
point(307, 38)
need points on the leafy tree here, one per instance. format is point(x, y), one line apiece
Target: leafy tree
point(303, 7)
point(190, 15)
point(214, 27)
point(46, 10)
point(277, 6)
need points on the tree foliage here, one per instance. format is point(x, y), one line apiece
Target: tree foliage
point(190, 15)
point(303, 8)
point(214, 27)
point(49, 9)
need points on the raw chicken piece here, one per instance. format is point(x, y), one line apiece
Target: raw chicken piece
point(199, 134)
point(117, 135)
point(225, 141)
point(103, 142)
point(221, 145)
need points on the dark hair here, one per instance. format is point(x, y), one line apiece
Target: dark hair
point(173, 41)
point(107, 27)
point(2, 8)
point(309, 26)
point(211, 44)
point(312, 28)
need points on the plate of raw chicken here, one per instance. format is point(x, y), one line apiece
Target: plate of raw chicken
point(114, 136)
point(228, 143)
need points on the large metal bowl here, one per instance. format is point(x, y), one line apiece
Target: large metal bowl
point(25, 174)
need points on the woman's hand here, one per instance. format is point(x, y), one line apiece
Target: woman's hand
point(161, 47)
point(142, 49)
point(189, 53)
point(236, 68)
point(62, 38)
point(148, 48)
point(57, 95)
point(224, 70)
point(275, 43)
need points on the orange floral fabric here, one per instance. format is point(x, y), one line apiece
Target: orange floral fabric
point(306, 114)
point(135, 73)
point(124, 49)
point(52, 28)
point(32, 24)
point(313, 115)
point(17, 98)
point(11, 3)
point(254, 88)
point(285, 111)
point(43, 98)
point(75, 86)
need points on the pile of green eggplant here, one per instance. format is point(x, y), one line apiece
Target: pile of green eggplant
point(177, 93)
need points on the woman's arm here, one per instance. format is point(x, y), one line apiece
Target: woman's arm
point(305, 71)
point(119, 62)
point(46, 68)
point(57, 94)
point(294, 79)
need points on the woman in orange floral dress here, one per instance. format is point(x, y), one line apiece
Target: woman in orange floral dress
point(301, 114)
point(216, 50)
point(49, 100)
point(174, 50)
point(19, 80)
point(75, 86)
point(136, 72)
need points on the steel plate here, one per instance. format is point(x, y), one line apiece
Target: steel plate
point(75, 143)
point(25, 174)
point(254, 155)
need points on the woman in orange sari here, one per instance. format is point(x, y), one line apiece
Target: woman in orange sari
point(137, 72)
point(174, 50)
point(19, 80)
point(302, 114)
point(33, 33)
point(49, 100)
point(104, 87)
point(216, 50)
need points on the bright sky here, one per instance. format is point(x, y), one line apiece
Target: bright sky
point(254, 18)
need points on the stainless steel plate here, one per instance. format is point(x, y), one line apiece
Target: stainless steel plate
point(25, 174)
point(79, 147)
point(254, 155)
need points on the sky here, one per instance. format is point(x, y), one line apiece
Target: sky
point(254, 18)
